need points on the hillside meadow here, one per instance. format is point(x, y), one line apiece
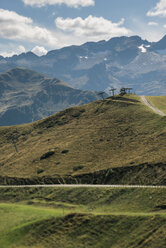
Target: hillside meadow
point(82, 217)
point(116, 137)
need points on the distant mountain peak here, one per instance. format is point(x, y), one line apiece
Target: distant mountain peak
point(21, 75)
point(26, 96)
point(160, 45)
point(163, 39)
point(29, 55)
point(22, 70)
point(135, 39)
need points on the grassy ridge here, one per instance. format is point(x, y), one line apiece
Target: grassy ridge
point(123, 200)
point(91, 218)
point(17, 220)
point(116, 132)
point(98, 231)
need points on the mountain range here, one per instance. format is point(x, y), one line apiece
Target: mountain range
point(118, 62)
point(27, 96)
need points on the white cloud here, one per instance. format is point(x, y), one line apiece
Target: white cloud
point(19, 50)
point(69, 3)
point(159, 9)
point(140, 27)
point(38, 50)
point(92, 27)
point(155, 24)
point(17, 27)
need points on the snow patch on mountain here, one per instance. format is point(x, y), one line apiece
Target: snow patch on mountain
point(142, 48)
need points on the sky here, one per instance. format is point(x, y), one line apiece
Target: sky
point(43, 25)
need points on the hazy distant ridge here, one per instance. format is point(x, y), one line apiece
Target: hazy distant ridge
point(26, 96)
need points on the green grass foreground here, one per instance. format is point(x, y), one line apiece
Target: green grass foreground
point(82, 217)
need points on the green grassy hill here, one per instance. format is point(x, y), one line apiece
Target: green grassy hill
point(118, 140)
point(92, 218)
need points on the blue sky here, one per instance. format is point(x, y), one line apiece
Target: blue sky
point(43, 25)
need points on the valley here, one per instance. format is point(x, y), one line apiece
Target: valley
point(82, 124)
point(87, 176)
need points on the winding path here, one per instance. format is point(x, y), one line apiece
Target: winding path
point(83, 186)
point(156, 110)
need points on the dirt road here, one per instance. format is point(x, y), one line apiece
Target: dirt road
point(156, 110)
point(82, 186)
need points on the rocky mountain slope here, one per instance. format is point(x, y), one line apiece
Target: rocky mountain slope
point(122, 61)
point(26, 96)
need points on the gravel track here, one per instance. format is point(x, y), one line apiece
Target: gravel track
point(156, 110)
point(82, 186)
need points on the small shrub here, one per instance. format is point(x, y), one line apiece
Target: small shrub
point(47, 155)
point(79, 167)
point(82, 110)
point(39, 132)
point(65, 151)
point(39, 171)
point(78, 113)
point(57, 163)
